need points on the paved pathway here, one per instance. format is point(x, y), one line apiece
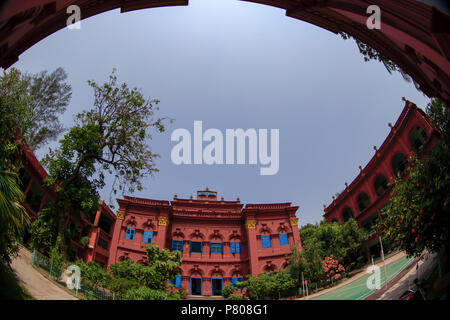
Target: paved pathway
point(358, 290)
point(39, 287)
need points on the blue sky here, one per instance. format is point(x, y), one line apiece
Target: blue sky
point(235, 65)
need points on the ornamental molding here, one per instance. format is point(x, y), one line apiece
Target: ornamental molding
point(163, 221)
point(120, 215)
point(293, 221)
point(250, 224)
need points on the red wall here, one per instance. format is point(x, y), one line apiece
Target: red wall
point(207, 220)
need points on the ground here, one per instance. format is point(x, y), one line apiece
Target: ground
point(355, 288)
point(39, 287)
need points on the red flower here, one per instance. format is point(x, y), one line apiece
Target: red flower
point(413, 231)
point(421, 211)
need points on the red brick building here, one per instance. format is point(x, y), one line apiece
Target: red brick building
point(37, 197)
point(220, 241)
point(368, 193)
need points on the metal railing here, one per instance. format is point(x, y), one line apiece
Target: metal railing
point(83, 291)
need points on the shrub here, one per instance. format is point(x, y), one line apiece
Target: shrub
point(84, 241)
point(145, 293)
point(235, 296)
point(122, 285)
point(228, 290)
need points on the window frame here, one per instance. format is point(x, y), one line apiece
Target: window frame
point(130, 233)
point(285, 238)
point(266, 240)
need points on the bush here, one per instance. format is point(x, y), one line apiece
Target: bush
point(235, 296)
point(122, 285)
point(145, 293)
point(228, 290)
point(84, 241)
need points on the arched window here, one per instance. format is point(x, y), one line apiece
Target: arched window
point(417, 138)
point(399, 163)
point(363, 201)
point(347, 214)
point(334, 220)
point(380, 184)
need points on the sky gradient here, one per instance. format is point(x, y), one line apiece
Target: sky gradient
point(235, 65)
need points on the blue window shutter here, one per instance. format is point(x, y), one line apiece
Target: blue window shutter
point(265, 242)
point(232, 247)
point(129, 235)
point(177, 281)
point(201, 246)
point(284, 239)
point(151, 237)
point(238, 247)
point(145, 237)
point(221, 247)
point(190, 246)
point(172, 281)
point(234, 281)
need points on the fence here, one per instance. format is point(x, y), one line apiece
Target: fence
point(84, 290)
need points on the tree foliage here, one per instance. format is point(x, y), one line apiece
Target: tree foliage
point(13, 216)
point(343, 242)
point(162, 266)
point(370, 53)
point(111, 138)
point(43, 97)
point(268, 285)
point(93, 273)
point(44, 230)
point(417, 215)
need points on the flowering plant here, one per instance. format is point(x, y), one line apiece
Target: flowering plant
point(332, 268)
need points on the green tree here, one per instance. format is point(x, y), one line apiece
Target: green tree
point(44, 96)
point(417, 217)
point(370, 53)
point(268, 285)
point(162, 265)
point(93, 273)
point(111, 138)
point(354, 237)
point(13, 216)
point(43, 231)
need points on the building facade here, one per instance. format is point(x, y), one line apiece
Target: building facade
point(220, 241)
point(369, 192)
point(37, 197)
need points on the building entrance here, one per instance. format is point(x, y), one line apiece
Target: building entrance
point(216, 286)
point(196, 286)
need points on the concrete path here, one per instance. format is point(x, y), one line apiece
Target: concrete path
point(425, 267)
point(39, 287)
